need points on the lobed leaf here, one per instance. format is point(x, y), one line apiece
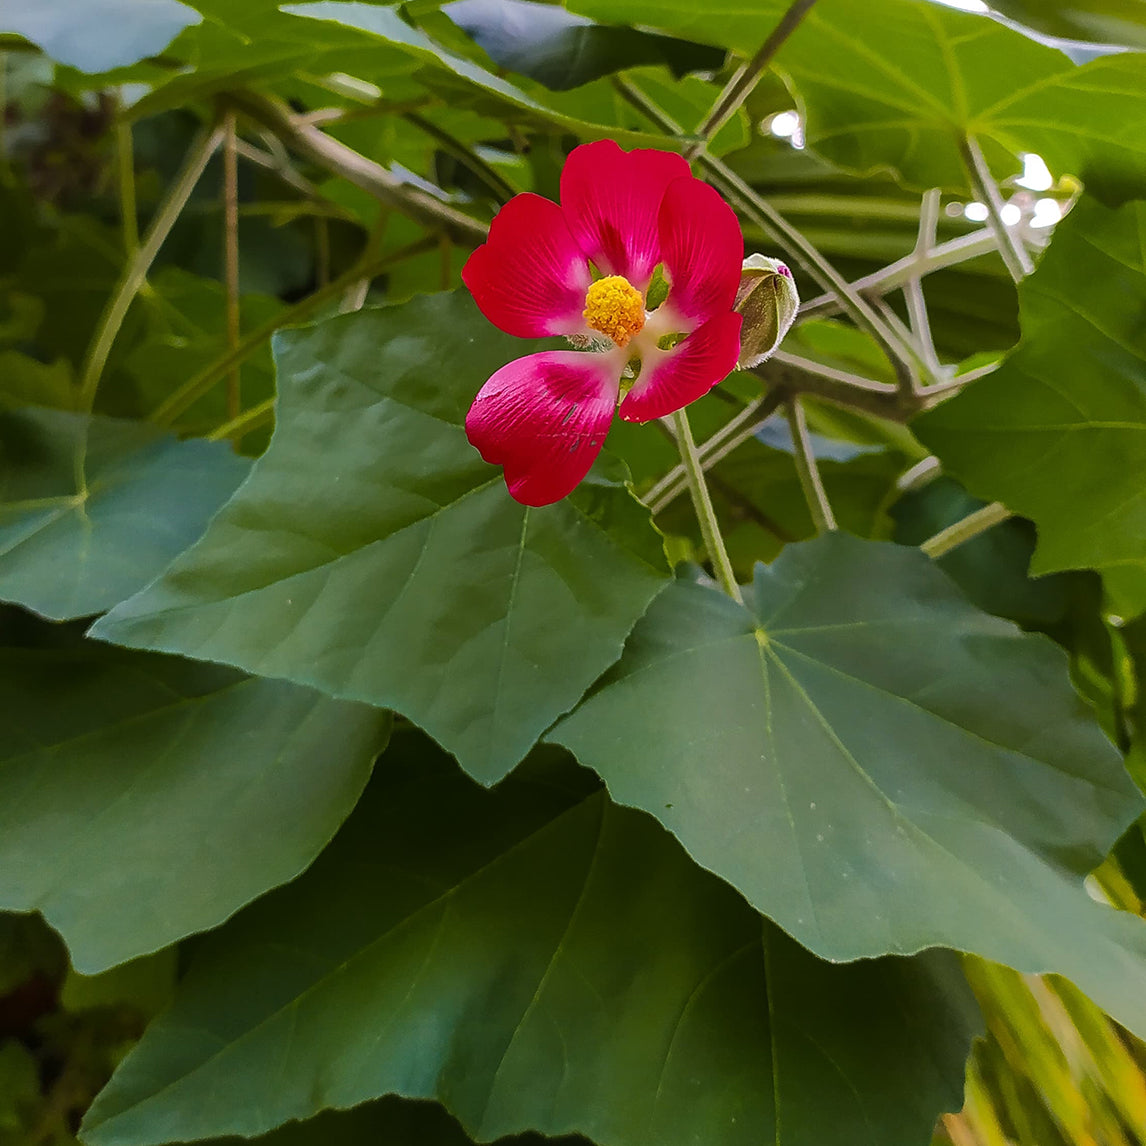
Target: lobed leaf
point(147, 497)
point(904, 99)
point(875, 765)
point(373, 554)
point(534, 957)
point(1058, 433)
point(143, 798)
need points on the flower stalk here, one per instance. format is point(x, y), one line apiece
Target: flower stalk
point(702, 505)
point(965, 529)
point(809, 473)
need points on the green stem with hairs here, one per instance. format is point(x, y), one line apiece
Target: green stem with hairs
point(809, 473)
point(965, 529)
point(702, 505)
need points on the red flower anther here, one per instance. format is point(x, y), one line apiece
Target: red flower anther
point(544, 417)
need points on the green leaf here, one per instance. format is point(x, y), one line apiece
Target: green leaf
point(374, 555)
point(143, 798)
point(536, 958)
point(1099, 21)
point(905, 98)
point(562, 50)
point(97, 35)
point(1070, 400)
point(875, 765)
point(148, 497)
point(146, 984)
point(453, 75)
point(386, 1122)
point(168, 355)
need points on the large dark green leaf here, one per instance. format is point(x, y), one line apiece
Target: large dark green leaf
point(875, 764)
point(535, 957)
point(97, 35)
point(904, 98)
point(144, 797)
point(450, 73)
point(386, 1122)
point(563, 50)
point(1058, 433)
point(374, 555)
point(148, 497)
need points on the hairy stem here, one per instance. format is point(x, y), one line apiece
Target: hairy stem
point(897, 274)
point(913, 288)
point(702, 504)
point(238, 427)
point(810, 481)
point(737, 431)
point(740, 86)
point(1015, 255)
point(965, 529)
point(493, 179)
point(313, 144)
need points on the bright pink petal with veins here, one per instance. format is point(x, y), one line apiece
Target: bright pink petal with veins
point(611, 199)
point(702, 249)
point(671, 379)
point(530, 276)
point(544, 418)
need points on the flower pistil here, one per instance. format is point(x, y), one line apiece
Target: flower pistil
point(615, 307)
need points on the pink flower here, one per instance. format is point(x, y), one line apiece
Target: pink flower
point(544, 417)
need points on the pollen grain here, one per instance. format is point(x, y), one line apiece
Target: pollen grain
point(615, 307)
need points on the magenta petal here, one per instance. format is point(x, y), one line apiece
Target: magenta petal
point(611, 199)
point(544, 418)
point(671, 379)
point(702, 248)
point(530, 276)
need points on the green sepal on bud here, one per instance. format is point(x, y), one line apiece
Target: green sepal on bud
point(768, 300)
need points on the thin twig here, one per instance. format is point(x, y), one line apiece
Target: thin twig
point(965, 529)
point(194, 388)
point(731, 435)
point(231, 260)
point(136, 270)
point(244, 423)
point(810, 481)
point(1014, 254)
point(490, 176)
point(913, 288)
point(894, 275)
point(738, 88)
point(335, 156)
point(702, 505)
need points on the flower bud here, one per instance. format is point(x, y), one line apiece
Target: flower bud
point(768, 301)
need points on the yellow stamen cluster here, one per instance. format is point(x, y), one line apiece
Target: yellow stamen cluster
point(615, 307)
